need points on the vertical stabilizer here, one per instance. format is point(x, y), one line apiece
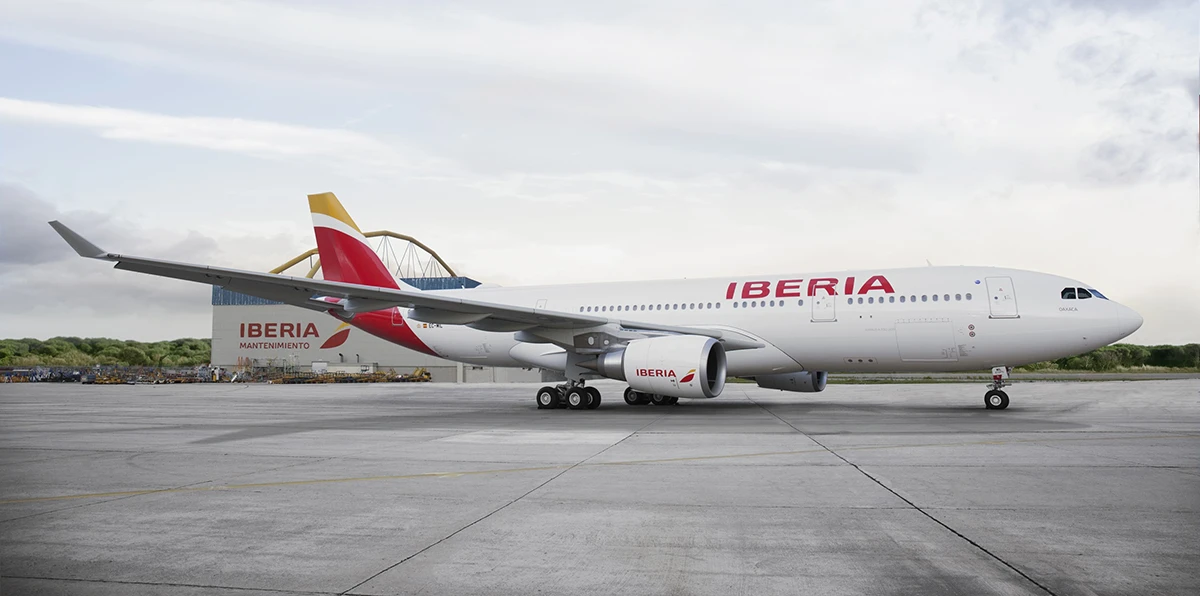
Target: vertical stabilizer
point(345, 254)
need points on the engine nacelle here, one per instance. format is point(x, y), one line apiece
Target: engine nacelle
point(803, 382)
point(674, 365)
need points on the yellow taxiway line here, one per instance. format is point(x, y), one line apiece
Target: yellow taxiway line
point(129, 493)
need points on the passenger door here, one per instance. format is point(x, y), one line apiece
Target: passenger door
point(1002, 298)
point(824, 309)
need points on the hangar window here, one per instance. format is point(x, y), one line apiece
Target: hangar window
point(1082, 293)
point(1068, 294)
point(968, 295)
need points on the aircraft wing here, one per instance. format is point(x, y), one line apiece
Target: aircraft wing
point(326, 295)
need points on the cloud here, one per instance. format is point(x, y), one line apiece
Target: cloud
point(250, 137)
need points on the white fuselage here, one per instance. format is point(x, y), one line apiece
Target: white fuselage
point(921, 319)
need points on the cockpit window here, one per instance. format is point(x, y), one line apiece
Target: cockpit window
point(1098, 294)
point(1082, 293)
point(1068, 293)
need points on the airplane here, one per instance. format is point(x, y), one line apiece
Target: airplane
point(677, 339)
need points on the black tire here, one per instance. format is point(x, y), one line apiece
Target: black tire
point(595, 393)
point(631, 397)
point(660, 400)
point(547, 398)
point(995, 400)
point(673, 400)
point(578, 398)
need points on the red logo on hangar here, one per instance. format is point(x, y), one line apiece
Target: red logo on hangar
point(296, 330)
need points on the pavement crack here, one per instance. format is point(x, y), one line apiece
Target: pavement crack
point(911, 504)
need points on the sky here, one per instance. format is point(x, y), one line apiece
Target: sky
point(536, 142)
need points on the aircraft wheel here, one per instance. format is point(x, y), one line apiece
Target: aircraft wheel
point(995, 400)
point(672, 401)
point(547, 398)
point(578, 398)
point(660, 400)
point(595, 394)
point(632, 397)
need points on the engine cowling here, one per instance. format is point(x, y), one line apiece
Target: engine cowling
point(675, 365)
point(803, 382)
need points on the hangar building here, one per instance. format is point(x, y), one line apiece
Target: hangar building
point(253, 333)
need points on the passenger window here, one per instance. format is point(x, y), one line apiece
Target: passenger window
point(871, 300)
point(801, 302)
point(709, 305)
point(946, 297)
point(912, 298)
point(849, 301)
point(902, 299)
point(1082, 293)
point(924, 297)
point(718, 305)
point(935, 297)
point(743, 304)
point(1068, 294)
point(958, 297)
point(968, 295)
point(860, 299)
point(891, 299)
point(772, 303)
point(735, 304)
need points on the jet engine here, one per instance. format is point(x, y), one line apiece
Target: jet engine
point(803, 382)
point(674, 365)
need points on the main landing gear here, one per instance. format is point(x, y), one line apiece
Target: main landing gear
point(637, 398)
point(571, 395)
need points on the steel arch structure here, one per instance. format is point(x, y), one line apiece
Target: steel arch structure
point(407, 264)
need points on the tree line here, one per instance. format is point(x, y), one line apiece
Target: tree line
point(79, 352)
point(74, 351)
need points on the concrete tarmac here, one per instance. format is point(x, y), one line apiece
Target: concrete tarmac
point(1077, 488)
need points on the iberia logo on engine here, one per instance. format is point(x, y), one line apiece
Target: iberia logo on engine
point(288, 330)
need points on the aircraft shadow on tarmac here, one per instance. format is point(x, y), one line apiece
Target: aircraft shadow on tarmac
point(815, 417)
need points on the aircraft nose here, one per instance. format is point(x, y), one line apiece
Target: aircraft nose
point(1128, 320)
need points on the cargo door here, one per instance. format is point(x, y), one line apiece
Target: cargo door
point(1002, 298)
point(824, 309)
point(926, 340)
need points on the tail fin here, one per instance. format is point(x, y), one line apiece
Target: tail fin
point(345, 254)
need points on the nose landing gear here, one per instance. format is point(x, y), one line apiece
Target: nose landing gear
point(996, 398)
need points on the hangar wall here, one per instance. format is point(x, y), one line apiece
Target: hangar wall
point(252, 332)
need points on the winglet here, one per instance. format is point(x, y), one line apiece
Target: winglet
point(79, 243)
